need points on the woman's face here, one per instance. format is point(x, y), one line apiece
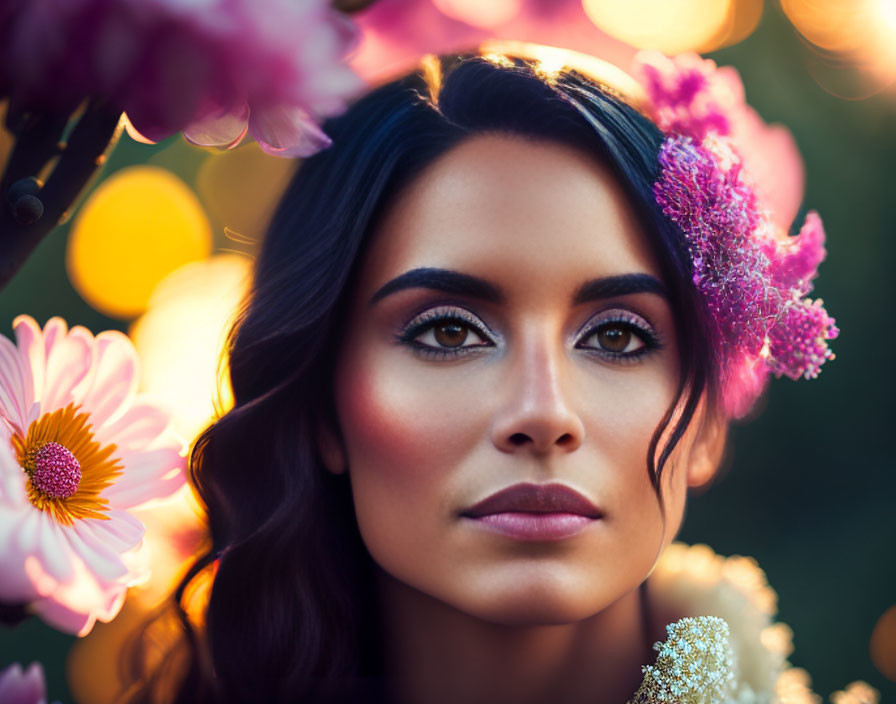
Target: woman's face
point(509, 327)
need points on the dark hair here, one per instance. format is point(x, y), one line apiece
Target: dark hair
point(290, 604)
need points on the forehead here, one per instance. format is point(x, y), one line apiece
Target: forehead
point(516, 211)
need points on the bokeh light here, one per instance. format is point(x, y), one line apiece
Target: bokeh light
point(743, 17)
point(478, 13)
point(886, 10)
point(854, 43)
point(175, 529)
point(671, 27)
point(883, 644)
point(829, 24)
point(181, 336)
point(138, 226)
point(396, 34)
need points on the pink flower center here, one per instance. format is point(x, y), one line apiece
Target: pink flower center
point(57, 472)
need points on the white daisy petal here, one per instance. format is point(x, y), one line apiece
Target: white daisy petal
point(54, 331)
point(27, 536)
point(12, 491)
point(15, 385)
point(53, 549)
point(30, 343)
point(15, 587)
point(121, 532)
point(149, 475)
point(63, 618)
point(12, 478)
point(139, 495)
point(115, 383)
point(140, 425)
point(100, 559)
point(69, 366)
point(111, 604)
point(84, 586)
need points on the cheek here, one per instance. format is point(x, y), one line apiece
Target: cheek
point(621, 413)
point(400, 421)
point(405, 433)
point(620, 422)
point(378, 424)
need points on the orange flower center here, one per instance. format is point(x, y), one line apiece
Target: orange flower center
point(67, 468)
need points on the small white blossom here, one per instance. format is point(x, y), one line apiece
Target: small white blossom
point(709, 666)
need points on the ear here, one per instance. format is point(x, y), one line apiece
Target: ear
point(330, 448)
point(708, 449)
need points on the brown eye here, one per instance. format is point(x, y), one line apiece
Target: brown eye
point(614, 338)
point(625, 336)
point(448, 333)
point(451, 334)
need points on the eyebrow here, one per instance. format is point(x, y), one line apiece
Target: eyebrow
point(449, 281)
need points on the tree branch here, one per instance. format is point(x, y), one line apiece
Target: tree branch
point(37, 143)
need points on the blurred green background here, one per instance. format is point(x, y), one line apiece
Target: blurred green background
point(810, 484)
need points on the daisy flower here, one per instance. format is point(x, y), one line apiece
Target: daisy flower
point(78, 448)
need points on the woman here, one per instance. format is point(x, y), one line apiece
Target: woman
point(478, 370)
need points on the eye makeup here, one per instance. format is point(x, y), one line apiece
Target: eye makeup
point(445, 326)
point(450, 331)
point(620, 336)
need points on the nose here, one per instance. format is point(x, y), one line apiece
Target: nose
point(537, 415)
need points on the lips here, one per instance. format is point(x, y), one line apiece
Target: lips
point(535, 498)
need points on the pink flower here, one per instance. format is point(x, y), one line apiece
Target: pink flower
point(718, 182)
point(18, 687)
point(210, 68)
point(691, 96)
point(753, 284)
point(397, 33)
point(795, 260)
point(78, 448)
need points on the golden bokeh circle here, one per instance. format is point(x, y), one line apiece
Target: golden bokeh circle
point(670, 27)
point(181, 339)
point(139, 225)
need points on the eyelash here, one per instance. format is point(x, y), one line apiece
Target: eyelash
point(630, 322)
point(428, 320)
point(617, 318)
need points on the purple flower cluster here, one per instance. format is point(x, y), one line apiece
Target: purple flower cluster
point(753, 283)
point(689, 95)
point(714, 184)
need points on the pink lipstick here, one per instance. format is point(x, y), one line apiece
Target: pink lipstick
point(537, 512)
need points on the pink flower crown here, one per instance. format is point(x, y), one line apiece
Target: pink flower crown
point(753, 277)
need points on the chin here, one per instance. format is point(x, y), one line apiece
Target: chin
point(536, 602)
point(534, 612)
